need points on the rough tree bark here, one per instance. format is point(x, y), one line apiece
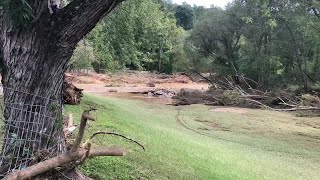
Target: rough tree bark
point(35, 60)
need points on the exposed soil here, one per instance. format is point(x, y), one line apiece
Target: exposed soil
point(90, 78)
point(136, 88)
point(140, 97)
point(230, 110)
point(134, 85)
point(132, 77)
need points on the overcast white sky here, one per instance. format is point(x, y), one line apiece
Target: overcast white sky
point(206, 3)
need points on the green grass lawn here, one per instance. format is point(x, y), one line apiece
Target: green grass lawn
point(194, 142)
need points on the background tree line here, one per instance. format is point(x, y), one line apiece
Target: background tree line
point(273, 43)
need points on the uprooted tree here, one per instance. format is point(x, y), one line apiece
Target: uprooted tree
point(36, 46)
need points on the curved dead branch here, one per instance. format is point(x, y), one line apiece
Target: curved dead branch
point(115, 134)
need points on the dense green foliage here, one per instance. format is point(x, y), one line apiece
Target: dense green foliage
point(19, 10)
point(184, 15)
point(83, 56)
point(274, 43)
point(139, 36)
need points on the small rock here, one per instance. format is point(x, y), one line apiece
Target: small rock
point(151, 85)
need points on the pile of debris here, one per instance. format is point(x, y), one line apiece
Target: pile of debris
point(190, 96)
point(228, 94)
point(160, 93)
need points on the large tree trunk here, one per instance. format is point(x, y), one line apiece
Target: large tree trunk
point(32, 97)
point(35, 60)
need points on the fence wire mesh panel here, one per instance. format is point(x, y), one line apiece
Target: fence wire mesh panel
point(31, 130)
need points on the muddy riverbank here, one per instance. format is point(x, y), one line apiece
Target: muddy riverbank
point(135, 85)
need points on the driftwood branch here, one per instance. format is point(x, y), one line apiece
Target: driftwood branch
point(62, 160)
point(203, 77)
point(259, 103)
point(77, 155)
point(286, 104)
point(115, 134)
point(84, 118)
point(299, 109)
point(294, 107)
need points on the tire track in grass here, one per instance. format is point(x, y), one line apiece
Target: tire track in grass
point(184, 124)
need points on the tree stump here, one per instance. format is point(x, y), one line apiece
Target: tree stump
point(71, 94)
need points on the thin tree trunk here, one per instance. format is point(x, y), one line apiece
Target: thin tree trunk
point(300, 60)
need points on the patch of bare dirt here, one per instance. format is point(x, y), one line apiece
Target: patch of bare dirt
point(132, 82)
point(230, 110)
point(134, 77)
point(87, 78)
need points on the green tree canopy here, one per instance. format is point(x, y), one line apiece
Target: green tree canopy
point(184, 15)
point(136, 36)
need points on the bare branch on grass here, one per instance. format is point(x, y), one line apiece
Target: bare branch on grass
point(77, 155)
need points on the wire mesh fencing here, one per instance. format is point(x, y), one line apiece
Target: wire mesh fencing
point(31, 130)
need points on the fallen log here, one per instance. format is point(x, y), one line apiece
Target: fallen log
point(63, 159)
point(299, 109)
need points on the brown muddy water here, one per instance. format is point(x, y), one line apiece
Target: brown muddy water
point(140, 97)
point(135, 91)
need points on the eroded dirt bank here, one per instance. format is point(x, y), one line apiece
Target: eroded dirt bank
point(134, 85)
